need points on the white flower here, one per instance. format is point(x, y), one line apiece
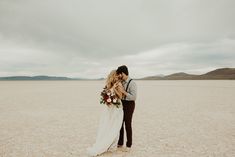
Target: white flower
point(108, 93)
point(114, 100)
point(109, 100)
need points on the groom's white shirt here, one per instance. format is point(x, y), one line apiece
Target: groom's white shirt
point(131, 91)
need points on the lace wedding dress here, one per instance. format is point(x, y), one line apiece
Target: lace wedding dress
point(108, 130)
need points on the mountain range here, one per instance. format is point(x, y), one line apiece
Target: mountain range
point(218, 74)
point(40, 77)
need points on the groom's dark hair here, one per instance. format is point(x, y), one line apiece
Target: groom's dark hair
point(122, 69)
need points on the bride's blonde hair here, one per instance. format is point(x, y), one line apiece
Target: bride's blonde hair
point(111, 79)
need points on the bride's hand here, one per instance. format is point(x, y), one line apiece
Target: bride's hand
point(118, 84)
point(115, 85)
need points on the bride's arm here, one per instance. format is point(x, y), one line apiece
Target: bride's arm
point(119, 94)
point(120, 88)
point(116, 89)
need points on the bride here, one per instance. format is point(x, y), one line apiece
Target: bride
point(110, 121)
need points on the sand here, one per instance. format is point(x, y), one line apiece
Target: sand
point(171, 119)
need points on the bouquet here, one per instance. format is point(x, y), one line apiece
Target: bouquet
point(109, 98)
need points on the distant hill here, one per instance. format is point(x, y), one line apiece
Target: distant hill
point(218, 74)
point(225, 73)
point(179, 76)
point(156, 77)
point(41, 77)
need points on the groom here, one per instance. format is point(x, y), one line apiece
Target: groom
point(128, 101)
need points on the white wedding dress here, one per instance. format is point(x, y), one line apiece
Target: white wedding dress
point(108, 130)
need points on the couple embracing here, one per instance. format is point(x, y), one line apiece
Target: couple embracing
point(119, 95)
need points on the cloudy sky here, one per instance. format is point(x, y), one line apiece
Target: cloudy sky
point(88, 38)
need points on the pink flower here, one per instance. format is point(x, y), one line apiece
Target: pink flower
point(109, 100)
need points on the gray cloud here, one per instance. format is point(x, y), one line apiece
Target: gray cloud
point(81, 38)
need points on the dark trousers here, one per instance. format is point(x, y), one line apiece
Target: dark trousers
point(128, 108)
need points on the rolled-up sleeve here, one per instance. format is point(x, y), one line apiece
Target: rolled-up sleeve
point(132, 92)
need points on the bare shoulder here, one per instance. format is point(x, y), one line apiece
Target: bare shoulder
point(119, 83)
